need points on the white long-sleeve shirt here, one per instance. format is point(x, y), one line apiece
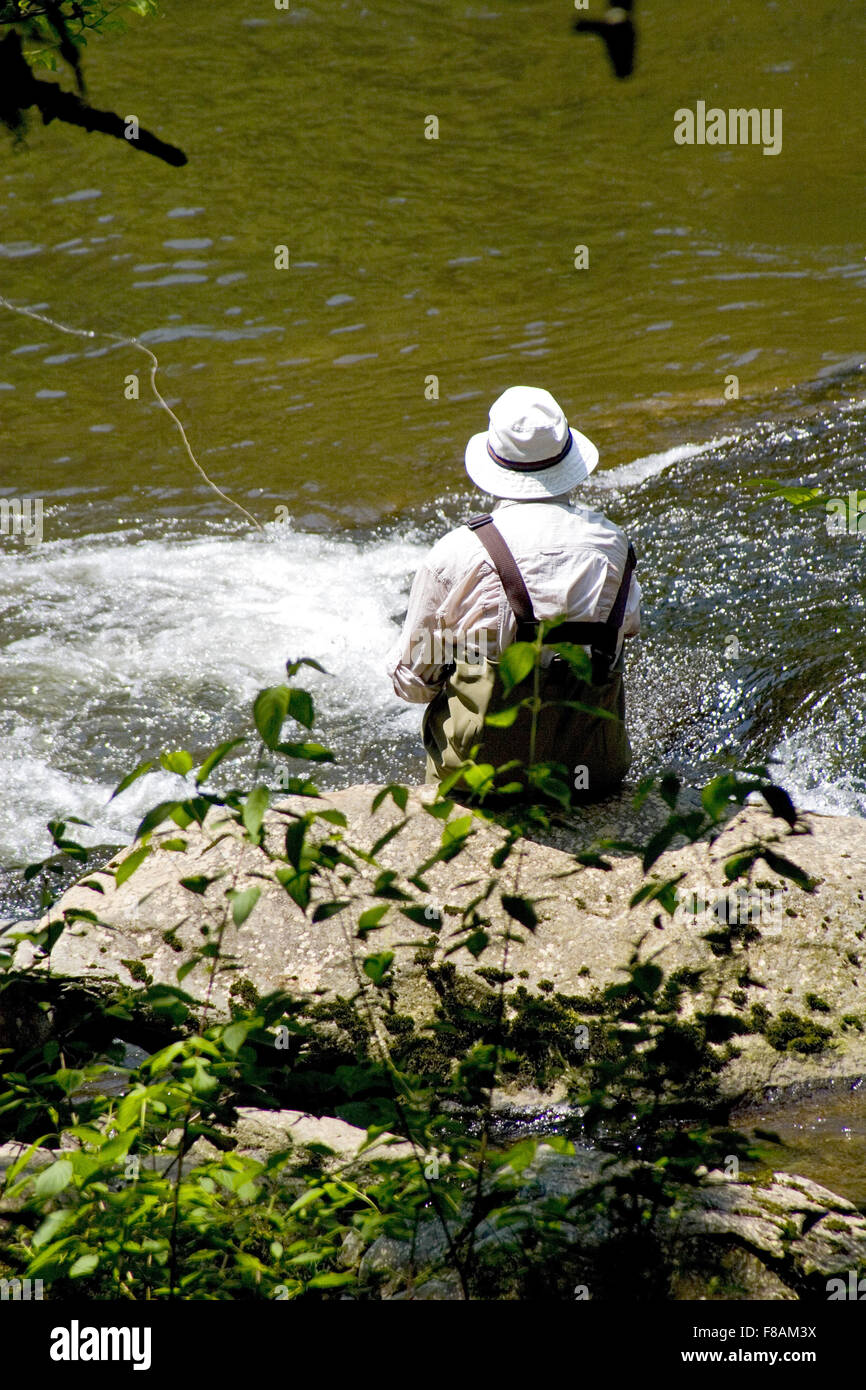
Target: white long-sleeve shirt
point(571, 559)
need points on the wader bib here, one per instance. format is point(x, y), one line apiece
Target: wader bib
point(454, 719)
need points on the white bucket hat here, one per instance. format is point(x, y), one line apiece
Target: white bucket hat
point(529, 451)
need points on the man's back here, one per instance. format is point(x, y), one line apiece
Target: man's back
point(571, 560)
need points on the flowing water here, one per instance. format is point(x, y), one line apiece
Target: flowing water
point(150, 612)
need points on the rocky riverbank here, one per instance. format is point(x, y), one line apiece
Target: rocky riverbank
point(785, 966)
point(789, 963)
point(782, 1239)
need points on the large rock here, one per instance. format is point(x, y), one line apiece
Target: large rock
point(722, 1238)
point(807, 962)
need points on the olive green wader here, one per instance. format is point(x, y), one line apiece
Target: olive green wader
point(454, 720)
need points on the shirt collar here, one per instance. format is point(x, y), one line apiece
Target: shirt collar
point(564, 501)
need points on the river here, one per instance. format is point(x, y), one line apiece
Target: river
point(151, 612)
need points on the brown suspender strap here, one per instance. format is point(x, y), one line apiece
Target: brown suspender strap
point(617, 613)
point(506, 567)
point(601, 637)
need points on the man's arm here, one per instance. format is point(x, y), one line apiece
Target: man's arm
point(631, 621)
point(415, 663)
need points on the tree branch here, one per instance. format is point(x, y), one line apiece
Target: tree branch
point(22, 90)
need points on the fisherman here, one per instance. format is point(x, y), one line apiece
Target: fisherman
point(484, 585)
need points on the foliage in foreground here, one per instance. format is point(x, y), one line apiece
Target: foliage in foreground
point(135, 1205)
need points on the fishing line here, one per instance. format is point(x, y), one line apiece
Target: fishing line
point(154, 367)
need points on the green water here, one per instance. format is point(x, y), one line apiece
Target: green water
point(823, 1137)
point(153, 610)
point(413, 257)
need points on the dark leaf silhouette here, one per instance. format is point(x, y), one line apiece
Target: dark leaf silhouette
point(616, 28)
point(20, 90)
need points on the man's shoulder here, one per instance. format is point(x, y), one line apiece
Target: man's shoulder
point(528, 529)
point(452, 549)
point(569, 525)
point(593, 522)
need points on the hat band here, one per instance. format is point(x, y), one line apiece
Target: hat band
point(531, 467)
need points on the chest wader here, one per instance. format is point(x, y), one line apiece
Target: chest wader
point(454, 720)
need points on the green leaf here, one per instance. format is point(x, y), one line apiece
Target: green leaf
point(270, 711)
point(85, 1264)
point(521, 1154)
point(301, 707)
point(243, 903)
point(293, 667)
point(456, 830)
point(559, 1143)
point(515, 664)
point(235, 1035)
point(215, 757)
point(22, 1160)
point(53, 1179)
point(199, 883)
point(576, 657)
point(521, 909)
point(659, 890)
point(796, 494)
point(310, 752)
point(78, 914)
point(295, 835)
point(129, 865)
point(369, 920)
point(740, 864)
point(503, 718)
point(53, 1224)
point(163, 811)
point(423, 916)
point(479, 776)
point(132, 777)
point(330, 1281)
point(325, 910)
point(297, 885)
point(377, 967)
point(717, 794)
point(253, 812)
point(179, 762)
